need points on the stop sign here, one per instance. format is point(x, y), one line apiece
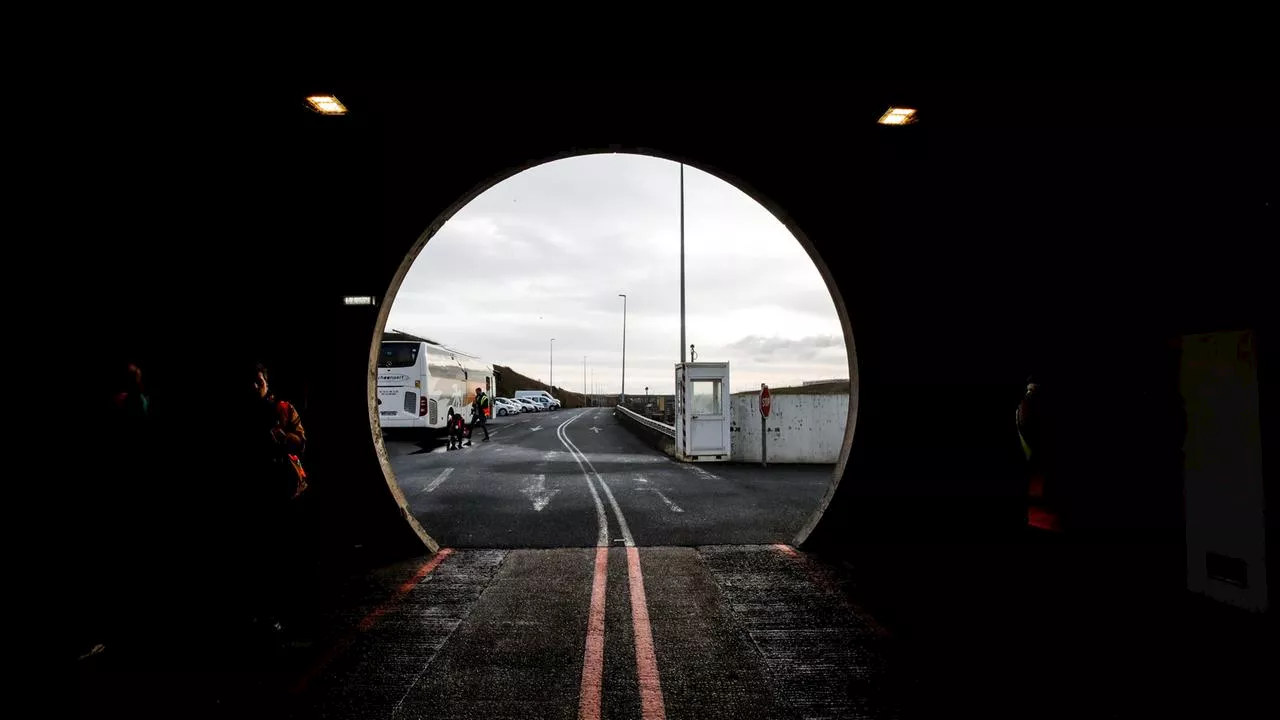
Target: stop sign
point(765, 400)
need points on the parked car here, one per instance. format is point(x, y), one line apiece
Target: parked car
point(529, 405)
point(506, 406)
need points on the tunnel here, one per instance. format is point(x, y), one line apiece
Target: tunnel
point(965, 254)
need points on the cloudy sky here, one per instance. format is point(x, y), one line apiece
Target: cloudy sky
point(561, 240)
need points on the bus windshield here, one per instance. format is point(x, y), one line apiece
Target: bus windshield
point(398, 355)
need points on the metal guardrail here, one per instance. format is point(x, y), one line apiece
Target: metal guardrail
point(665, 429)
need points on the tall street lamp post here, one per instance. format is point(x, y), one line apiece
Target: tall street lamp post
point(623, 395)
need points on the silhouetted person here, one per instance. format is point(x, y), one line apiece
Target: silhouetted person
point(117, 515)
point(271, 432)
point(1039, 424)
point(131, 401)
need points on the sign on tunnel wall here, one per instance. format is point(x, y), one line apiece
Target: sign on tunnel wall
point(802, 428)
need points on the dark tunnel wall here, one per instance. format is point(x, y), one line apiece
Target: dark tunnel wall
point(967, 257)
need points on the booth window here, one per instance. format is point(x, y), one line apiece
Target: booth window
point(706, 397)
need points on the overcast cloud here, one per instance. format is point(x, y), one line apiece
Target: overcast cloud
point(558, 242)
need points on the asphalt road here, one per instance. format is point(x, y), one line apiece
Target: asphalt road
point(553, 479)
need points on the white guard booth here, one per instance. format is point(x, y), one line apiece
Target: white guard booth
point(702, 411)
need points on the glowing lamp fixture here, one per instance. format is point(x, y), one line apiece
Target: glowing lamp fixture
point(327, 105)
point(898, 116)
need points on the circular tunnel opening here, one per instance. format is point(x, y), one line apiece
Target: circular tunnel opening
point(559, 283)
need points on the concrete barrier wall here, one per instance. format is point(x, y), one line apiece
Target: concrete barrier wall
point(802, 428)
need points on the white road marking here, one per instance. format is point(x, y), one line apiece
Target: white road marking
point(581, 457)
point(444, 475)
point(641, 478)
point(535, 428)
point(696, 470)
point(538, 493)
point(674, 507)
point(602, 521)
point(595, 429)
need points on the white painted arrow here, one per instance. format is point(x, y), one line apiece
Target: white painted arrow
point(595, 429)
point(539, 494)
point(535, 428)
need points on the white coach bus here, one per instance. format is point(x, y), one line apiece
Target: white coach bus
point(420, 380)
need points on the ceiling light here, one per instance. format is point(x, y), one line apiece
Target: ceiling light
point(327, 105)
point(898, 116)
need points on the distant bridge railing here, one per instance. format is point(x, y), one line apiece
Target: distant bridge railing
point(665, 429)
point(660, 436)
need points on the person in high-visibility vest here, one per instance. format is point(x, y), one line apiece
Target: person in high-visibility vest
point(480, 414)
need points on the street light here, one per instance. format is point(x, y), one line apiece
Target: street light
point(584, 380)
point(552, 372)
point(623, 395)
point(681, 262)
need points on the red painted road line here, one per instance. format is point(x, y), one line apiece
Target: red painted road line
point(370, 620)
point(820, 580)
point(651, 705)
point(593, 662)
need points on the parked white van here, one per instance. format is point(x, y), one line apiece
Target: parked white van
point(539, 396)
point(546, 404)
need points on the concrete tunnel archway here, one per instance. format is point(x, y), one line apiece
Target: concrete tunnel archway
point(948, 218)
point(433, 226)
point(905, 304)
point(358, 191)
point(199, 240)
